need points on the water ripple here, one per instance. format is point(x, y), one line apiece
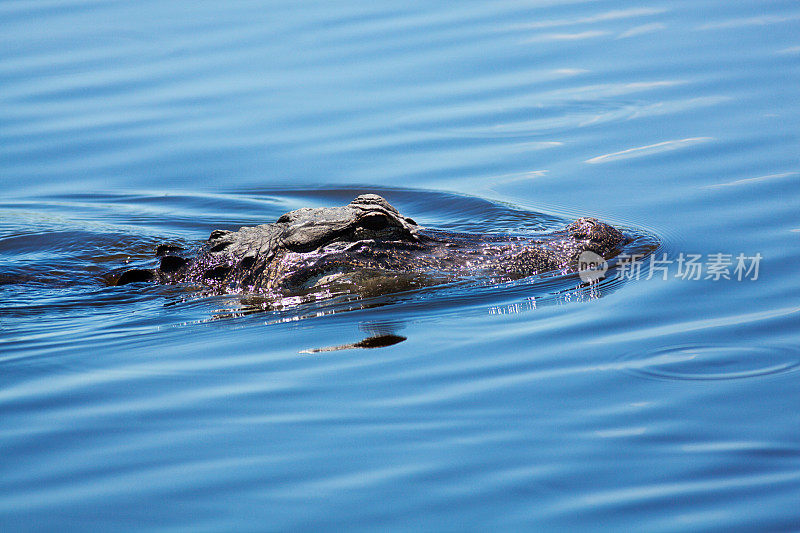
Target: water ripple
point(712, 362)
point(650, 149)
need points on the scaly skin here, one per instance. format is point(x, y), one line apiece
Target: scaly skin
point(367, 246)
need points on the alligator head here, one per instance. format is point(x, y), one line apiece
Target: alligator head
point(367, 246)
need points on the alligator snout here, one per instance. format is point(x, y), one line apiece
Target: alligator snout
point(591, 229)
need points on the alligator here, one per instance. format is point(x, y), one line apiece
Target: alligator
point(368, 247)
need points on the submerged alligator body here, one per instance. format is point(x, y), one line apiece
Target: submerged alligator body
point(368, 247)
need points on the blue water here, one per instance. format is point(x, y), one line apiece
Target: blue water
point(647, 404)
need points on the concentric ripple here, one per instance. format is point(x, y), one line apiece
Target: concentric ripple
point(712, 362)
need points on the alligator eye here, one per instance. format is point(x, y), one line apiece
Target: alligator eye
point(219, 247)
point(374, 222)
point(217, 233)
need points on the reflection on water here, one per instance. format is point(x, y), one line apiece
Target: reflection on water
point(378, 341)
point(649, 149)
point(548, 404)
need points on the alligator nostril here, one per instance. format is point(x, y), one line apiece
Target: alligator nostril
point(247, 262)
point(217, 233)
point(583, 227)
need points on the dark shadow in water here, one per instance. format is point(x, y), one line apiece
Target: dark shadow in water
point(382, 333)
point(377, 341)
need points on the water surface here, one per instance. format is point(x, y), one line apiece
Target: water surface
point(654, 401)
